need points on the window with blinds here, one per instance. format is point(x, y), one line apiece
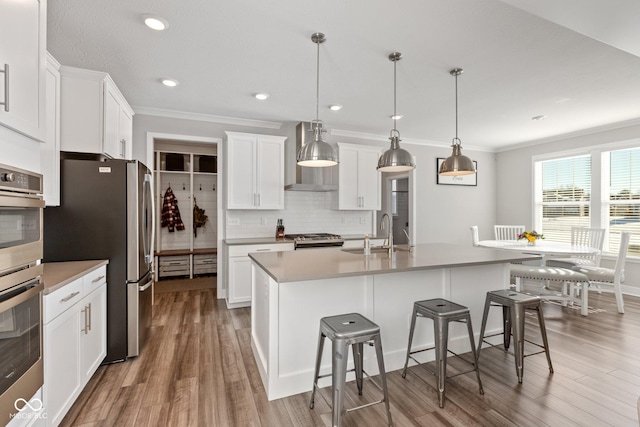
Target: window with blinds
point(565, 198)
point(624, 196)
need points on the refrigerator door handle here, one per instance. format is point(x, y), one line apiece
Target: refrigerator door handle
point(145, 287)
point(146, 240)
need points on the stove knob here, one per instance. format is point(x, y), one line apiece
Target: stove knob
point(7, 177)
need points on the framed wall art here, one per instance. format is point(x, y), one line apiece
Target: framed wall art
point(470, 180)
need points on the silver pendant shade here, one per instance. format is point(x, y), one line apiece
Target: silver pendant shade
point(317, 153)
point(395, 159)
point(457, 164)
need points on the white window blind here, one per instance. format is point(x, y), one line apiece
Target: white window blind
point(624, 197)
point(566, 196)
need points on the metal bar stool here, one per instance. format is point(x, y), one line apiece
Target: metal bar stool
point(514, 304)
point(348, 330)
point(442, 312)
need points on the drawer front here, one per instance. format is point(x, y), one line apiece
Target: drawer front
point(204, 261)
point(93, 280)
point(64, 298)
point(204, 269)
point(244, 250)
point(167, 261)
point(168, 273)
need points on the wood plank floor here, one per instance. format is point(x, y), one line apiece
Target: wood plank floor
point(198, 370)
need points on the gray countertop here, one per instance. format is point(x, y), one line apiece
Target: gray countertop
point(58, 274)
point(327, 263)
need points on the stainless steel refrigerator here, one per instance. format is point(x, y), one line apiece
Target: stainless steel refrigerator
point(106, 212)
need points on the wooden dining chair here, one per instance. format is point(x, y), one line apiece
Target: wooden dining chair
point(582, 236)
point(610, 279)
point(507, 232)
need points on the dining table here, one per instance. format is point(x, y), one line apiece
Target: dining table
point(547, 249)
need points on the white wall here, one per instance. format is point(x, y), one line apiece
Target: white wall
point(514, 183)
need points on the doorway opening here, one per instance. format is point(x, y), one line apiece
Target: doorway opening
point(398, 202)
point(185, 173)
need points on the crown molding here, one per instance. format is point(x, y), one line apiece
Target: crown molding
point(158, 112)
point(385, 138)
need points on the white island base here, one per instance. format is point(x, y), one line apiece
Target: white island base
point(285, 317)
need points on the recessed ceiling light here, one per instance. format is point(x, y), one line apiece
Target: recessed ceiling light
point(540, 117)
point(335, 107)
point(155, 22)
point(170, 82)
point(396, 117)
point(261, 96)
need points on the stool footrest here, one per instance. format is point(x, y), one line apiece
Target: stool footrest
point(366, 376)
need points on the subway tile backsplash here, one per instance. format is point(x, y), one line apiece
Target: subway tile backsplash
point(305, 212)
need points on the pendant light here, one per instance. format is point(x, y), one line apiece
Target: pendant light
point(395, 159)
point(457, 164)
point(317, 153)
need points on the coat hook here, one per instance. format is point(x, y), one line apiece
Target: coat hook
point(214, 187)
point(200, 187)
point(183, 186)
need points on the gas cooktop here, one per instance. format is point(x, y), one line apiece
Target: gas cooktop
point(315, 240)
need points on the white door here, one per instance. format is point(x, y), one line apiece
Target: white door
point(270, 179)
point(369, 180)
point(241, 172)
point(239, 279)
point(348, 196)
point(93, 333)
point(111, 145)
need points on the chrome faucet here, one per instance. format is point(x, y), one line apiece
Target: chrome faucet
point(390, 233)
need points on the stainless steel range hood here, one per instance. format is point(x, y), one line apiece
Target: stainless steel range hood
point(309, 179)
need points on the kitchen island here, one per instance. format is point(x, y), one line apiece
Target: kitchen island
point(292, 290)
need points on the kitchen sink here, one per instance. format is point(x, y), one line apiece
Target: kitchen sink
point(360, 251)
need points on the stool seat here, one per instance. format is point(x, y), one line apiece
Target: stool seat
point(509, 296)
point(344, 331)
point(441, 308)
point(348, 326)
point(513, 305)
point(441, 311)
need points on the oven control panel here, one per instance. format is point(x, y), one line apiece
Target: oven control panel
point(19, 180)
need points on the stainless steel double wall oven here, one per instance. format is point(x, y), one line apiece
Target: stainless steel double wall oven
point(21, 250)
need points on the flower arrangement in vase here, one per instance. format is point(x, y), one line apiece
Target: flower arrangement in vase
point(530, 236)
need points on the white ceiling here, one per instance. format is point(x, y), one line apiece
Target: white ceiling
point(578, 64)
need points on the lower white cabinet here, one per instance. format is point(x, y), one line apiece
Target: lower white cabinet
point(75, 340)
point(239, 271)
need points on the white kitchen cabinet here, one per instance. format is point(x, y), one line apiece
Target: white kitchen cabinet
point(239, 271)
point(23, 27)
point(360, 243)
point(95, 116)
point(75, 340)
point(255, 171)
point(50, 149)
point(94, 333)
point(358, 178)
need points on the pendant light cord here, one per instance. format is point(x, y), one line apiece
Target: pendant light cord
point(395, 114)
point(457, 139)
point(318, 82)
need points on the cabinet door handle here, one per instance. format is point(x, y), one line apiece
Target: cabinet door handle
point(262, 250)
point(123, 143)
point(89, 317)
point(97, 279)
point(5, 71)
point(84, 311)
point(67, 298)
point(258, 199)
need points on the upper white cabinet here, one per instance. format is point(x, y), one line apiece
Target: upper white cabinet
point(22, 66)
point(50, 150)
point(255, 171)
point(358, 178)
point(95, 116)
